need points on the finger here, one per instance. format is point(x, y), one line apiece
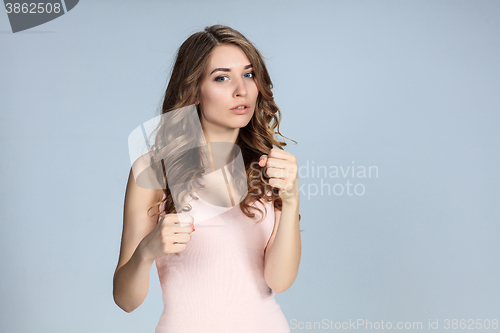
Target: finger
point(181, 219)
point(186, 229)
point(184, 218)
point(178, 227)
point(178, 247)
point(181, 238)
point(262, 174)
point(276, 172)
point(279, 154)
point(172, 226)
point(278, 163)
point(263, 160)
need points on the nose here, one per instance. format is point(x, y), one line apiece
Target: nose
point(240, 88)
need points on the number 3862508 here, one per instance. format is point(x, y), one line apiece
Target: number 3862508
point(470, 324)
point(32, 8)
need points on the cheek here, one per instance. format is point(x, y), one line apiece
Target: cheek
point(254, 90)
point(212, 96)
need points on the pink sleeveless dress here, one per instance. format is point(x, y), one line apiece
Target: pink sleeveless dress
point(217, 284)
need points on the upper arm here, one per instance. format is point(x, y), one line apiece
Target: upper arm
point(137, 223)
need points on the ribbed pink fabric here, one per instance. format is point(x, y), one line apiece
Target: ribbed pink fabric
point(217, 284)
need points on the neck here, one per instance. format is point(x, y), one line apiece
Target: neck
point(220, 146)
point(221, 135)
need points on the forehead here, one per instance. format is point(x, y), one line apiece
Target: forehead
point(227, 56)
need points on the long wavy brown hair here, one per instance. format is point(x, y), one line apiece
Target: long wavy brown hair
point(255, 139)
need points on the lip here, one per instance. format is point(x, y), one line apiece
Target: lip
point(243, 111)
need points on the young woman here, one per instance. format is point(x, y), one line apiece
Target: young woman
point(224, 274)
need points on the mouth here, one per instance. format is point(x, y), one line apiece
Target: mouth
point(241, 106)
point(240, 109)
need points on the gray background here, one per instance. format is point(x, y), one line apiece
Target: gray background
point(408, 86)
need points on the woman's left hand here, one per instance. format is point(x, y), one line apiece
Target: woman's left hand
point(283, 173)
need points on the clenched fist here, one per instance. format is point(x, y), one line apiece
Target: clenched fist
point(170, 235)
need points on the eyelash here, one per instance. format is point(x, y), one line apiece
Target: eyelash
point(218, 77)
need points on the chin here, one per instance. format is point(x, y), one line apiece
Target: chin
point(241, 123)
point(238, 125)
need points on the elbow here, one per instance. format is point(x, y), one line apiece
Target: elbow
point(123, 305)
point(279, 286)
point(127, 310)
point(122, 299)
point(283, 286)
point(279, 289)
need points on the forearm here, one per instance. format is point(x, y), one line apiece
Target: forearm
point(282, 261)
point(131, 282)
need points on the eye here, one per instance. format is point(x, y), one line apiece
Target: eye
point(220, 78)
point(250, 75)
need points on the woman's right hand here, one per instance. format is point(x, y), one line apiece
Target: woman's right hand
point(169, 236)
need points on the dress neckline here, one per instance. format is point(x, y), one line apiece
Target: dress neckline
point(211, 204)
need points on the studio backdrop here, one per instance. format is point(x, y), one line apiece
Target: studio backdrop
point(394, 106)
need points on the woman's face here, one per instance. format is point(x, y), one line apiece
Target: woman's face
point(228, 91)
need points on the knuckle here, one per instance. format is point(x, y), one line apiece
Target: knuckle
point(169, 219)
point(187, 217)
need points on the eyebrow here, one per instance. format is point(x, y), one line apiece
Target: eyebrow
point(228, 69)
